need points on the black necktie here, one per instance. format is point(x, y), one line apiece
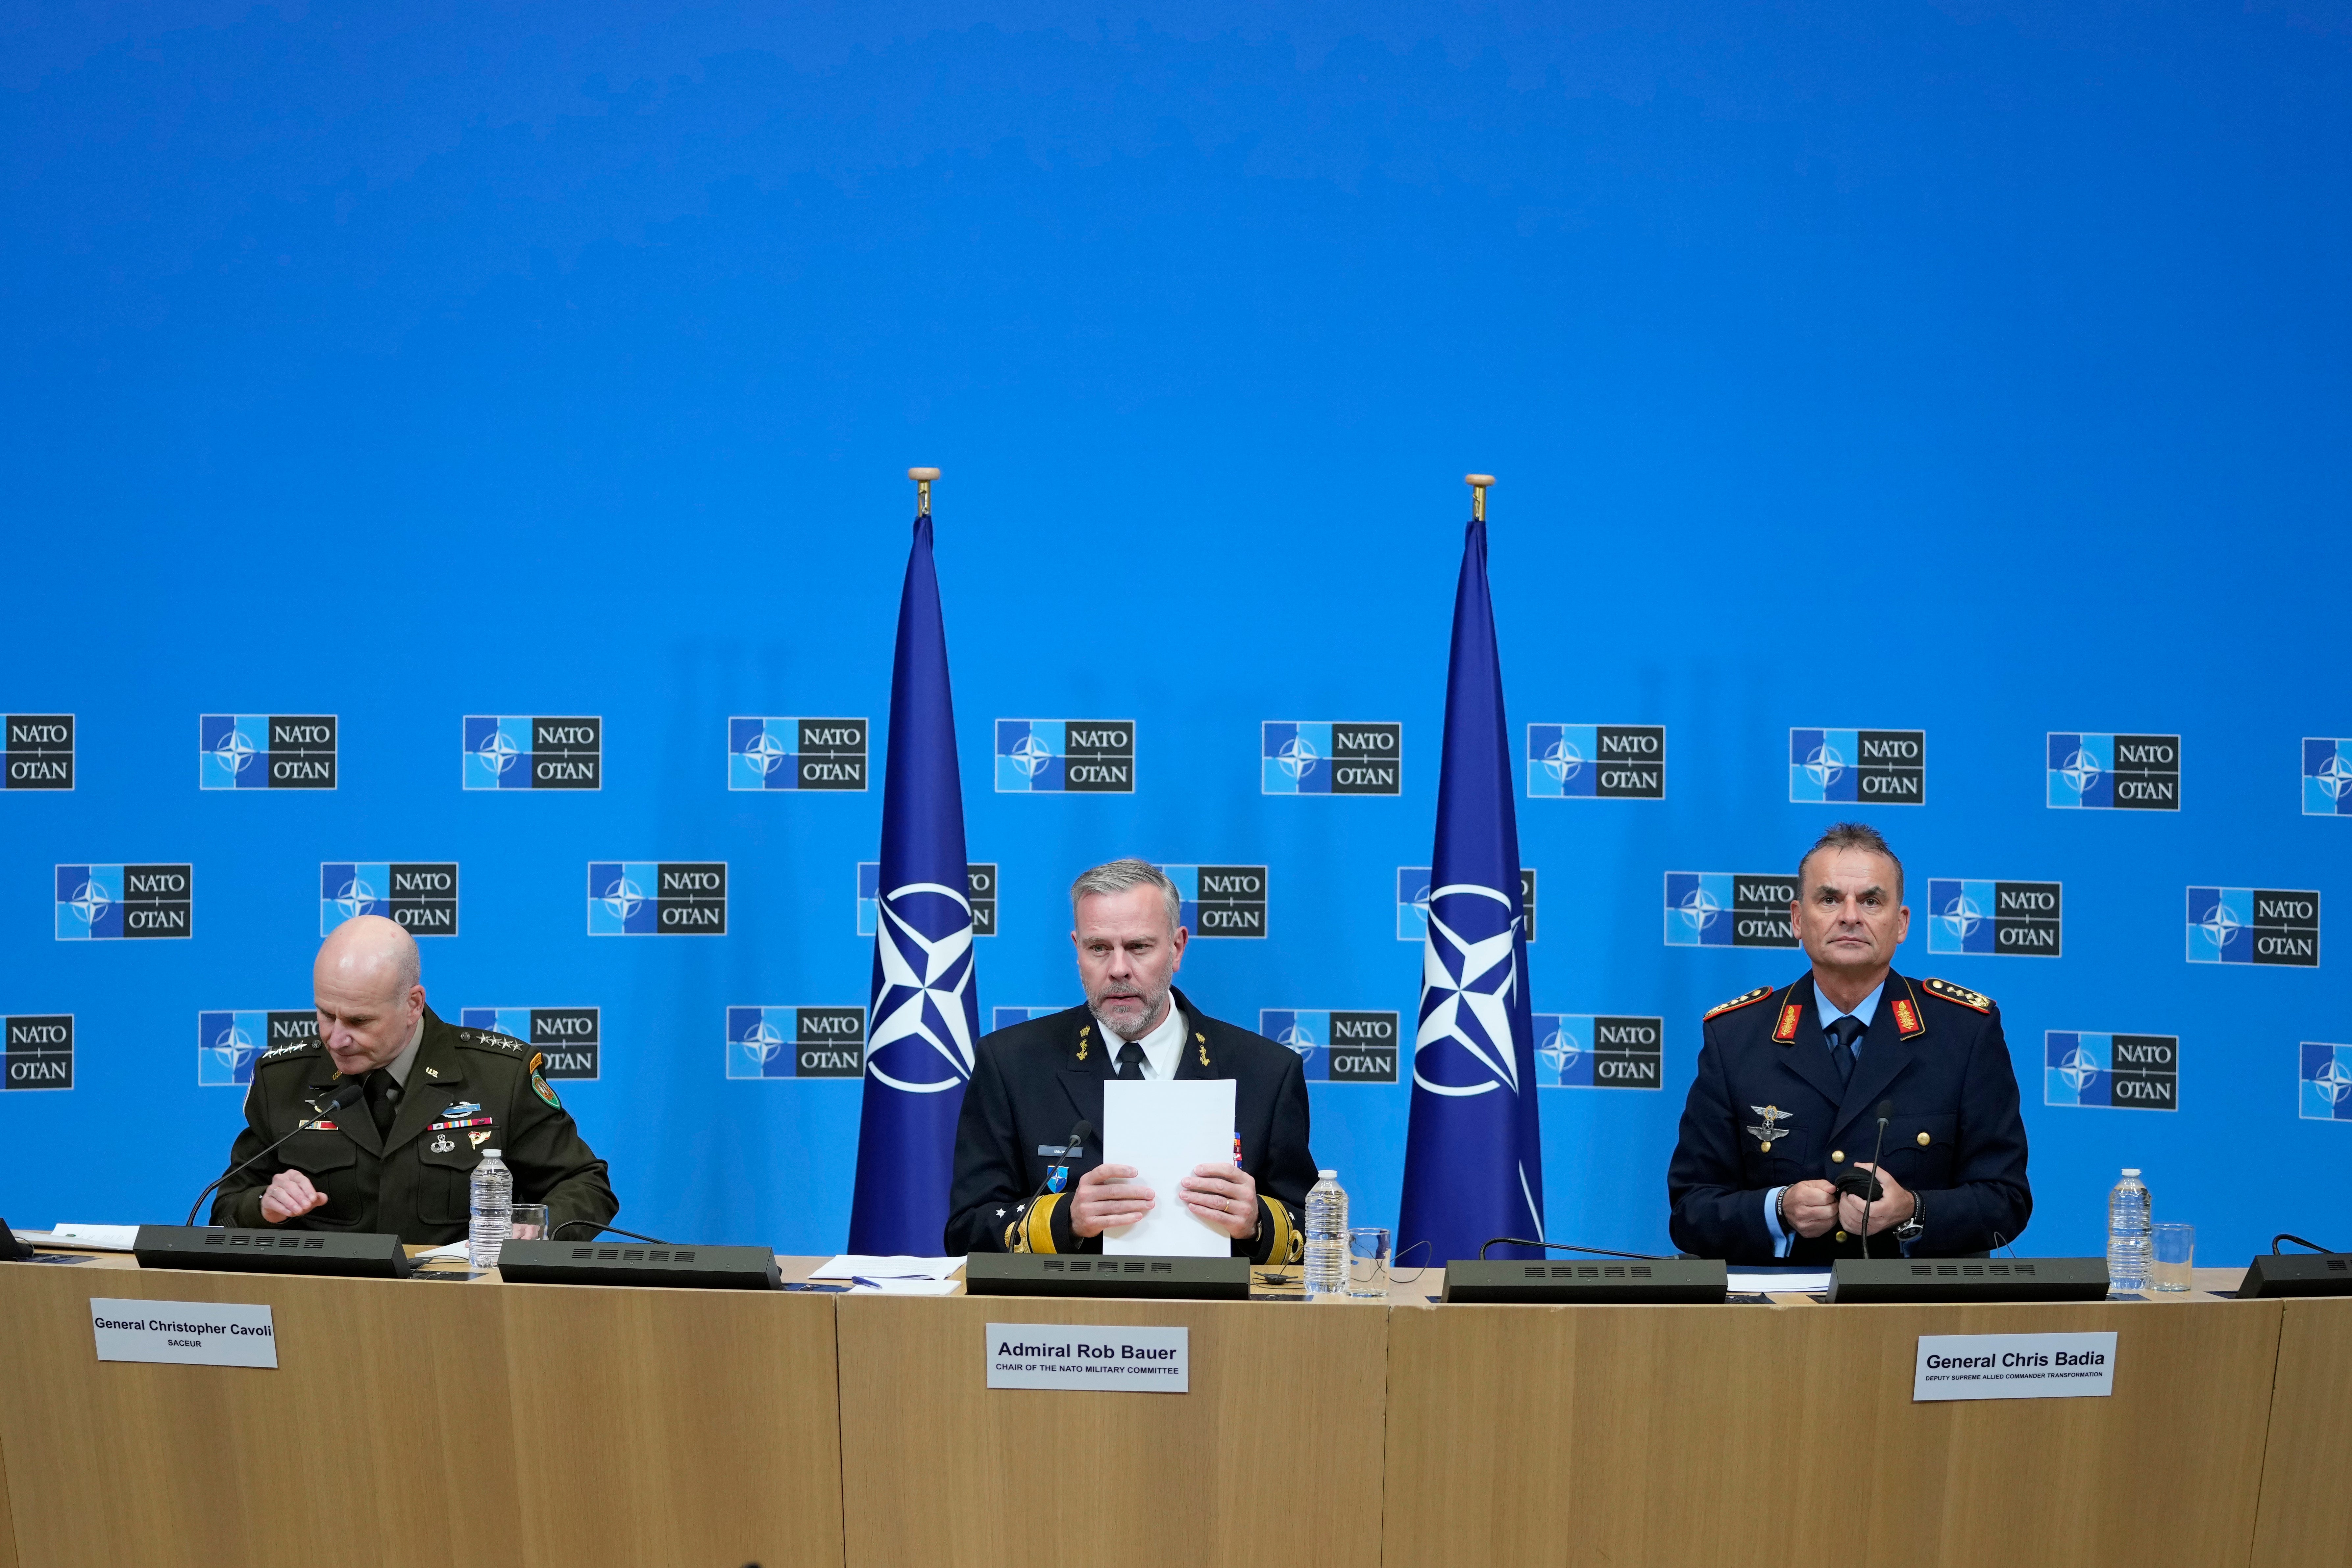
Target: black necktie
point(383, 1099)
point(1130, 1061)
point(1845, 1032)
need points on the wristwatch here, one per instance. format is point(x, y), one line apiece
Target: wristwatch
point(1912, 1229)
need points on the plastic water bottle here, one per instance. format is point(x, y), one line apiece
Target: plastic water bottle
point(2130, 1246)
point(493, 1208)
point(1327, 1238)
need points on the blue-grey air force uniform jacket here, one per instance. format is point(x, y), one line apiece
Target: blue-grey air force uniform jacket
point(1032, 1082)
point(1766, 1111)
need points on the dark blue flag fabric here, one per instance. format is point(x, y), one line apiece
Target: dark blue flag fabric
point(926, 1005)
point(1474, 1148)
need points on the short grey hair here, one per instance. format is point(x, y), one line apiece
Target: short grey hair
point(1124, 875)
point(1850, 835)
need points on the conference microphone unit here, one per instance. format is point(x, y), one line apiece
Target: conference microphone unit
point(1137, 1279)
point(11, 1249)
point(1660, 1280)
point(595, 1263)
point(369, 1254)
point(1899, 1280)
point(2298, 1274)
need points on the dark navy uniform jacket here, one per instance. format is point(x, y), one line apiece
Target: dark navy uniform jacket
point(1030, 1085)
point(1766, 1111)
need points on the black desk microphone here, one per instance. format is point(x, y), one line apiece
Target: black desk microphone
point(349, 1094)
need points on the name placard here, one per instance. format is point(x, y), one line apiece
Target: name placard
point(1074, 1355)
point(183, 1334)
point(2014, 1367)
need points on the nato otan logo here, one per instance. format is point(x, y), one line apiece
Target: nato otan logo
point(266, 750)
point(1595, 1051)
point(795, 753)
point(2254, 925)
point(2121, 1072)
point(1065, 756)
point(229, 1043)
point(40, 751)
point(1221, 901)
point(2325, 1089)
point(1597, 762)
point(1413, 903)
point(567, 1037)
point(2326, 775)
point(795, 1042)
point(505, 751)
point(657, 898)
point(100, 903)
point(2113, 772)
point(2011, 919)
point(1006, 1018)
point(1312, 756)
point(40, 1051)
point(1877, 767)
point(418, 895)
point(981, 880)
point(1336, 1047)
point(1729, 909)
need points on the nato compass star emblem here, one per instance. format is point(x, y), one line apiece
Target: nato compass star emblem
point(1296, 757)
point(1469, 979)
point(236, 751)
point(499, 751)
point(1769, 1131)
point(922, 1038)
point(1030, 755)
point(768, 752)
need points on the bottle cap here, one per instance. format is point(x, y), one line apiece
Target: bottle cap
point(1328, 1176)
point(489, 1153)
point(2131, 1170)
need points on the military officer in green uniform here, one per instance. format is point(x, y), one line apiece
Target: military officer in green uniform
point(400, 1156)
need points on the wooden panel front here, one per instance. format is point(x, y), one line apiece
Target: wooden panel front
point(663, 1426)
point(380, 1440)
point(1272, 1456)
point(1687, 1437)
point(2306, 1512)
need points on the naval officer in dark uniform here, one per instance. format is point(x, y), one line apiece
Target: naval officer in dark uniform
point(1785, 1104)
point(400, 1157)
point(1031, 1083)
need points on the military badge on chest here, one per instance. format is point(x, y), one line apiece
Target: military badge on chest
point(441, 1144)
point(1769, 1129)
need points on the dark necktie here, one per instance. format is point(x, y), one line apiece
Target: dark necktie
point(384, 1100)
point(1845, 1034)
point(1130, 1061)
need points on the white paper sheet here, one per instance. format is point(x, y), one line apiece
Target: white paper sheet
point(1164, 1127)
point(857, 1265)
point(1779, 1282)
point(96, 1237)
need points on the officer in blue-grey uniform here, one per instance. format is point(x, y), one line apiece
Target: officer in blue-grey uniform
point(1777, 1134)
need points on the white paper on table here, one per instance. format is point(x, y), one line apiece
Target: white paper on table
point(96, 1237)
point(890, 1286)
point(1779, 1282)
point(1164, 1127)
point(856, 1265)
point(464, 1250)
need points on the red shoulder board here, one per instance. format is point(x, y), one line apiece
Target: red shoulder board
point(1738, 1002)
point(1959, 994)
point(1786, 1029)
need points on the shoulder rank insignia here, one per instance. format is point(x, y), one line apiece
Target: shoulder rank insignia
point(1737, 1002)
point(1770, 1129)
point(1960, 994)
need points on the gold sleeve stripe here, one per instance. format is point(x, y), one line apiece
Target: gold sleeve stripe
point(1037, 1230)
point(1286, 1245)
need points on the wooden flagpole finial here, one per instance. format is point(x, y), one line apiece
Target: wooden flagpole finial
point(1478, 483)
point(922, 477)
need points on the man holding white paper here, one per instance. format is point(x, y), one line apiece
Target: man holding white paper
point(1022, 1185)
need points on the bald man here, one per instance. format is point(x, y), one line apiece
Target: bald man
point(401, 1156)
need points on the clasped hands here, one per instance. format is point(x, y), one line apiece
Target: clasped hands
point(1811, 1208)
point(1223, 1196)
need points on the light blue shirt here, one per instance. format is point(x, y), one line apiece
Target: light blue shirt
point(1829, 1012)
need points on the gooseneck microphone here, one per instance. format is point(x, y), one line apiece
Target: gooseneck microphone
point(349, 1094)
point(1073, 1147)
point(1886, 1109)
point(1564, 1247)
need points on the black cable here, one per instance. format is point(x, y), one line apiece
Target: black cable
point(1564, 1247)
point(557, 1234)
point(2299, 1241)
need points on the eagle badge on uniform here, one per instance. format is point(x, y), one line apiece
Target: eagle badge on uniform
point(1771, 1130)
point(539, 1084)
point(1960, 994)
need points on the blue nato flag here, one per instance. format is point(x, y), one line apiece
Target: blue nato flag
point(925, 1013)
point(1474, 1150)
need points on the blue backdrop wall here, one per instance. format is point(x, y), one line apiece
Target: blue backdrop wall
point(1966, 369)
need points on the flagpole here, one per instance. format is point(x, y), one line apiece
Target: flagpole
point(923, 478)
point(1477, 483)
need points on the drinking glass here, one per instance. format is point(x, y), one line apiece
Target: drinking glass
point(528, 1224)
point(2176, 1252)
point(1368, 1262)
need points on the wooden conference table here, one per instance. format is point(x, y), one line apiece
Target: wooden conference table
point(557, 1426)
